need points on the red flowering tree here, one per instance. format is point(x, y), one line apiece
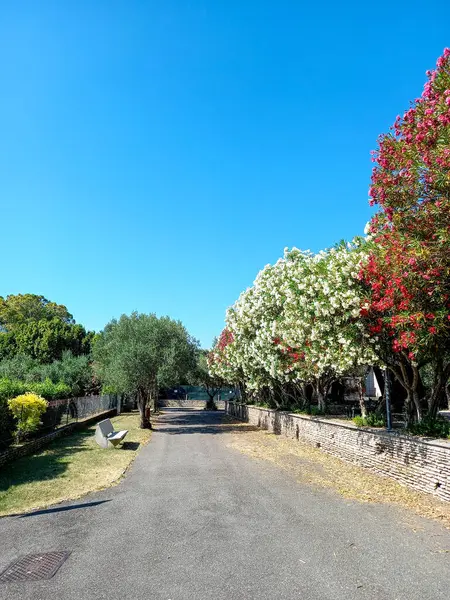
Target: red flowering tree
point(407, 275)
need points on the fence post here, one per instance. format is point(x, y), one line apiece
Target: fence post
point(387, 393)
point(119, 403)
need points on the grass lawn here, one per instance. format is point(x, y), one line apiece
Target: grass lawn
point(69, 468)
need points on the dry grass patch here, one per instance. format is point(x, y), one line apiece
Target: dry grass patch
point(69, 468)
point(314, 467)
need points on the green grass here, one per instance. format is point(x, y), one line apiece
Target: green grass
point(69, 468)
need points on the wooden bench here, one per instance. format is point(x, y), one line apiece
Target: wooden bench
point(106, 437)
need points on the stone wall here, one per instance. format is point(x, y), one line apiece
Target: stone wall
point(39, 443)
point(422, 464)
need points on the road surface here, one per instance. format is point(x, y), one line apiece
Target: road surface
point(196, 520)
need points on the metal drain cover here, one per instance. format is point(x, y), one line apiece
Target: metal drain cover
point(33, 567)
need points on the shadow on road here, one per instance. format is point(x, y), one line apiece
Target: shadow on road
point(58, 509)
point(178, 421)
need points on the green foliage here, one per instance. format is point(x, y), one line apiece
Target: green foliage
point(10, 388)
point(47, 340)
point(27, 410)
point(43, 330)
point(6, 424)
point(372, 420)
point(108, 389)
point(8, 347)
point(314, 411)
point(139, 353)
point(19, 367)
point(261, 404)
point(376, 420)
point(15, 310)
point(74, 371)
point(201, 376)
point(436, 428)
point(49, 390)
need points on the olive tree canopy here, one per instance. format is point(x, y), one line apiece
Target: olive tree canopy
point(139, 353)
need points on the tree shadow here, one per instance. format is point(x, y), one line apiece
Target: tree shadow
point(58, 509)
point(199, 421)
point(211, 429)
point(130, 445)
point(46, 464)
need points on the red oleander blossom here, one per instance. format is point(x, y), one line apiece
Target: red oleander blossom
point(407, 273)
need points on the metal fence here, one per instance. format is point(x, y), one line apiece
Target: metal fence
point(60, 413)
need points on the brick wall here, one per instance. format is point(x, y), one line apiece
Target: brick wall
point(39, 443)
point(422, 464)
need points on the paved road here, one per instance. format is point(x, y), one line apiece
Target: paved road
point(194, 520)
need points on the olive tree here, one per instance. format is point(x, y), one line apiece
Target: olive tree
point(139, 353)
point(211, 383)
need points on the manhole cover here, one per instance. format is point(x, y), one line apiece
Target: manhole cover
point(33, 567)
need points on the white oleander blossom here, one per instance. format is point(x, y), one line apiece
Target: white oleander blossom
point(298, 322)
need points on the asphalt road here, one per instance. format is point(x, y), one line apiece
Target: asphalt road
point(195, 520)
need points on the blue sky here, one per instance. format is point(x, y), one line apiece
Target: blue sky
point(155, 155)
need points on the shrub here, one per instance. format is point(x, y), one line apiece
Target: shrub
point(372, 420)
point(261, 404)
point(10, 388)
point(6, 424)
point(27, 410)
point(433, 427)
point(375, 420)
point(18, 367)
point(49, 390)
point(314, 411)
point(74, 371)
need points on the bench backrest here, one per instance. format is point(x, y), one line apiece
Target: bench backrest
point(105, 427)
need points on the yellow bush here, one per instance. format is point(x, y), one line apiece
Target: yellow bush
point(27, 410)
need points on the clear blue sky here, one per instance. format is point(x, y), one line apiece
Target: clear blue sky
point(155, 155)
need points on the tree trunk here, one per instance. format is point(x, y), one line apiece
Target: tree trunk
point(440, 388)
point(362, 400)
point(210, 404)
point(242, 392)
point(409, 409)
point(321, 403)
point(154, 398)
point(417, 407)
point(142, 401)
point(321, 396)
point(408, 375)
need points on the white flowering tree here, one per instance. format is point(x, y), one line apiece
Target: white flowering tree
point(297, 325)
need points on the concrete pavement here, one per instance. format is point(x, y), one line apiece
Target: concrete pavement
point(195, 520)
